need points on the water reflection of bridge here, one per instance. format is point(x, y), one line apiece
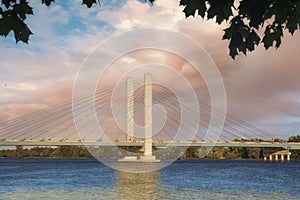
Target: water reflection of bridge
point(139, 185)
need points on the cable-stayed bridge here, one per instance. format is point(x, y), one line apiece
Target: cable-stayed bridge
point(58, 125)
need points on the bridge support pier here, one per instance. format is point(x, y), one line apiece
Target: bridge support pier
point(281, 153)
point(276, 157)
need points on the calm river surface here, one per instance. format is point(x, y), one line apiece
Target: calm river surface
point(89, 179)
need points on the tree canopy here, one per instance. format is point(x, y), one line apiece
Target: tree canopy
point(247, 18)
point(295, 138)
point(249, 22)
point(13, 14)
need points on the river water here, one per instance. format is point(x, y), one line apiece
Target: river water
point(204, 179)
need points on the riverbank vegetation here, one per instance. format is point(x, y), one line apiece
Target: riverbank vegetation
point(111, 152)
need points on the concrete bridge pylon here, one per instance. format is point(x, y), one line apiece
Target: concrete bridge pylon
point(147, 157)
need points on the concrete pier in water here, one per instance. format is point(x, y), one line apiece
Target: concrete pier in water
point(280, 154)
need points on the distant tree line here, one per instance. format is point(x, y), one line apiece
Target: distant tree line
point(232, 153)
point(240, 152)
point(111, 152)
point(46, 152)
point(294, 138)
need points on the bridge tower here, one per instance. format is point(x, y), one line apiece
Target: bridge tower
point(147, 157)
point(130, 109)
point(148, 114)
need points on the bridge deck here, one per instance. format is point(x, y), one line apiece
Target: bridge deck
point(287, 145)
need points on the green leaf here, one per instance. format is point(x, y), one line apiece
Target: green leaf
point(151, 1)
point(297, 5)
point(254, 11)
point(238, 33)
point(252, 40)
point(280, 9)
point(183, 2)
point(5, 24)
point(293, 22)
point(273, 33)
point(228, 33)
point(246, 7)
point(89, 3)
point(23, 9)
point(257, 14)
point(20, 29)
point(22, 34)
point(267, 39)
point(191, 6)
point(221, 9)
point(232, 50)
point(7, 3)
point(10, 21)
point(48, 2)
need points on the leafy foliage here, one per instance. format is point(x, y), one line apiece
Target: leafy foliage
point(89, 3)
point(248, 17)
point(48, 2)
point(13, 14)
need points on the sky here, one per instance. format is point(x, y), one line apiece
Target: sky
point(262, 88)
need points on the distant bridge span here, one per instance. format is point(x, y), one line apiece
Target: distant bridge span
point(159, 144)
point(57, 125)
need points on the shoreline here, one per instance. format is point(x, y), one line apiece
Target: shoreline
point(191, 153)
point(87, 158)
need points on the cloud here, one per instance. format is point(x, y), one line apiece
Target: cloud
point(261, 88)
point(137, 14)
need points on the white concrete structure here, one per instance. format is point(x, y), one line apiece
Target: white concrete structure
point(281, 153)
point(148, 114)
point(282, 158)
point(130, 109)
point(147, 157)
